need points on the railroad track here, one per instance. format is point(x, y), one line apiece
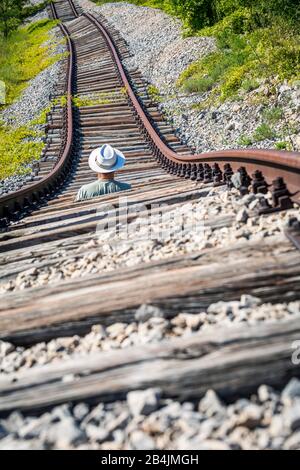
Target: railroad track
point(42, 222)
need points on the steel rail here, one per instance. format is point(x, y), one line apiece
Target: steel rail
point(273, 163)
point(55, 178)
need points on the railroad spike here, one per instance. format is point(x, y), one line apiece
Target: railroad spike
point(188, 171)
point(208, 178)
point(245, 181)
point(281, 196)
point(200, 172)
point(194, 172)
point(259, 184)
point(217, 175)
point(227, 174)
point(182, 173)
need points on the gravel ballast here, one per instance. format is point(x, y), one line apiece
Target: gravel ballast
point(150, 326)
point(220, 219)
point(147, 421)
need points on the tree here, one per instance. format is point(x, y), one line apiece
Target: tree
point(10, 15)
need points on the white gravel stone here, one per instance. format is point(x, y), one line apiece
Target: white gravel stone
point(246, 424)
point(249, 310)
point(143, 402)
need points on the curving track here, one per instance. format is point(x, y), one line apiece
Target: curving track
point(46, 221)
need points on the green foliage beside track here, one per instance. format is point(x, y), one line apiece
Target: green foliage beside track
point(256, 39)
point(23, 55)
point(17, 148)
point(13, 12)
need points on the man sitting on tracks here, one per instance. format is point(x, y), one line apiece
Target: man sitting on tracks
point(105, 161)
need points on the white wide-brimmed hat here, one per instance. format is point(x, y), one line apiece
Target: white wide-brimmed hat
point(106, 159)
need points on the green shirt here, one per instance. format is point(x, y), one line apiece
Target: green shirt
point(99, 188)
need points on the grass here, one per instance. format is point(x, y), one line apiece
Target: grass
point(249, 84)
point(245, 140)
point(23, 56)
point(263, 132)
point(16, 149)
point(283, 145)
point(250, 47)
point(92, 99)
point(154, 93)
point(273, 115)
point(198, 84)
point(243, 59)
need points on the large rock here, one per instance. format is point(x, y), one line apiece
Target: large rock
point(211, 405)
point(145, 312)
point(96, 433)
point(80, 411)
point(63, 434)
point(143, 402)
point(292, 389)
point(34, 427)
point(196, 443)
point(293, 442)
point(291, 417)
point(5, 348)
point(141, 441)
point(250, 417)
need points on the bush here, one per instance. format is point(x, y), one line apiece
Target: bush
point(283, 146)
point(245, 140)
point(240, 15)
point(263, 132)
point(10, 15)
point(17, 149)
point(23, 56)
point(198, 84)
point(273, 115)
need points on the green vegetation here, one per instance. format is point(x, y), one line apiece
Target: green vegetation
point(283, 146)
point(23, 55)
point(241, 60)
point(198, 84)
point(272, 115)
point(17, 146)
point(92, 99)
point(42, 118)
point(249, 84)
point(154, 94)
point(10, 15)
point(245, 140)
point(264, 131)
point(13, 12)
point(30, 10)
point(255, 40)
point(17, 149)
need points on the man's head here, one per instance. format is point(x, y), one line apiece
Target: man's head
point(105, 161)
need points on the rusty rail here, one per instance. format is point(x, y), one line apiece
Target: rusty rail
point(33, 194)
